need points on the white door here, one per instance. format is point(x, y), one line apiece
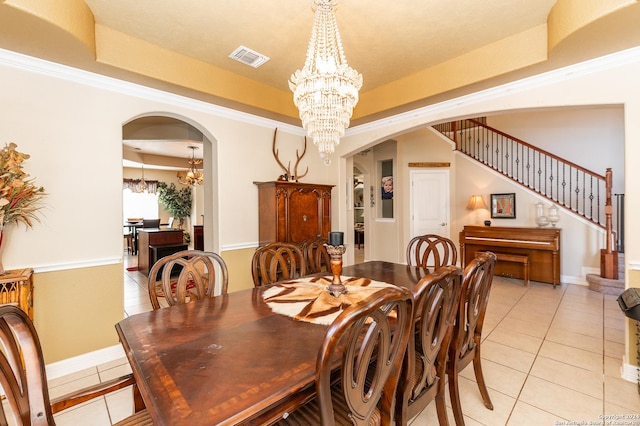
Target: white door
point(430, 202)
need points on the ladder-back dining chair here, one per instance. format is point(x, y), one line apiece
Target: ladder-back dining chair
point(424, 371)
point(276, 262)
point(371, 338)
point(24, 380)
point(186, 276)
point(431, 251)
point(467, 331)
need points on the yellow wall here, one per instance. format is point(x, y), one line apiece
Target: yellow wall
point(75, 311)
point(239, 266)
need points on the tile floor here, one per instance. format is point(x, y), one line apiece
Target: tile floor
point(550, 357)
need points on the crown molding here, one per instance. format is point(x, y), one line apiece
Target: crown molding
point(40, 66)
point(561, 74)
point(87, 78)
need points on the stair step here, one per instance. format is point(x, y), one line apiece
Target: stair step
point(605, 285)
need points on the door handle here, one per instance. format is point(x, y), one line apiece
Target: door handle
point(443, 224)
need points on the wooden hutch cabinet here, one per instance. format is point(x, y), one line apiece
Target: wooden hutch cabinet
point(291, 212)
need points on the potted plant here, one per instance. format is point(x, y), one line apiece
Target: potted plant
point(177, 202)
point(19, 196)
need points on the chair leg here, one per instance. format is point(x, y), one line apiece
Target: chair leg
point(454, 393)
point(138, 403)
point(477, 369)
point(129, 244)
point(441, 407)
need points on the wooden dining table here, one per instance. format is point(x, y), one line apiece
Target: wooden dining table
point(231, 359)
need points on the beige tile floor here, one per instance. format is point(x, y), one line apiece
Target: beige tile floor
point(550, 357)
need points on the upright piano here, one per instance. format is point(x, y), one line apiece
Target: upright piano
point(541, 245)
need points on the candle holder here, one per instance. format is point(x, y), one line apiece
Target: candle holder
point(336, 288)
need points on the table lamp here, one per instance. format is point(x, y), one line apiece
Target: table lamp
point(476, 202)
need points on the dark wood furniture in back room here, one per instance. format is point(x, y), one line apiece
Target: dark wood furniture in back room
point(154, 244)
point(198, 237)
point(292, 212)
point(541, 246)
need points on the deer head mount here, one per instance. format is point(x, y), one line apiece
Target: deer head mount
point(288, 176)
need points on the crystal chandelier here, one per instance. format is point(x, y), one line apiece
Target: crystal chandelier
point(325, 90)
point(192, 176)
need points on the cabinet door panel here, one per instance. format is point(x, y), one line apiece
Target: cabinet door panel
point(282, 216)
point(304, 218)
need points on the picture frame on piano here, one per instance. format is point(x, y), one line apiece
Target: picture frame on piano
point(503, 206)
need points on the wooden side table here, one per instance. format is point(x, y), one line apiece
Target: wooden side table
point(16, 288)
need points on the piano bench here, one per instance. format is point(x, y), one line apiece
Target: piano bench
point(516, 258)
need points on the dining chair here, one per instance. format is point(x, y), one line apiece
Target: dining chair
point(24, 380)
point(186, 276)
point(128, 236)
point(276, 262)
point(370, 337)
point(431, 251)
point(424, 371)
point(316, 257)
point(467, 331)
point(151, 223)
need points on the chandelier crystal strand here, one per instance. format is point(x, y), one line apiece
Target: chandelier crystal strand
point(325, 90)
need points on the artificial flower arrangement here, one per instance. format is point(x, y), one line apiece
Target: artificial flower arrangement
point(19, 196)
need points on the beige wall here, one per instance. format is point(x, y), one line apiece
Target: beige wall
point(598, 83)
point(62, 123)
point(73, 133)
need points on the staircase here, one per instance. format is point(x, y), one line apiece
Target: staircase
point(568, 185)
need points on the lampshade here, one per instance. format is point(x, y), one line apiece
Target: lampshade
point(476, 202)
point(325, 90)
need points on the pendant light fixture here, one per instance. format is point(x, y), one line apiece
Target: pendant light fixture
point(141, 185)
point(192, 176)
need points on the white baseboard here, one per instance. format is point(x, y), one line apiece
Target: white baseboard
point(629, 372)
point(570, 279)
point(81, 362)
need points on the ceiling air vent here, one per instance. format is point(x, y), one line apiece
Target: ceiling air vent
point(248, 57)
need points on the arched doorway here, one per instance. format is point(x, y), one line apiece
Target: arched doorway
point(160, 143)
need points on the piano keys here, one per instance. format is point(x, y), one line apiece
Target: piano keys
point(541, 245)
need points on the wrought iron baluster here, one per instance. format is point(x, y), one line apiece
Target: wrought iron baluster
point(523, 162)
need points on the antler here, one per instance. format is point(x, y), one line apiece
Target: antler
point(287, 170)
point(298, 158)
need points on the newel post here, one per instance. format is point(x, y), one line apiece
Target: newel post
point(608, 257)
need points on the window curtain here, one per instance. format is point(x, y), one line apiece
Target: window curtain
point(135, 185)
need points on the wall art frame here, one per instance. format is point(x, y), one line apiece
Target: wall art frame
point(503, 206)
